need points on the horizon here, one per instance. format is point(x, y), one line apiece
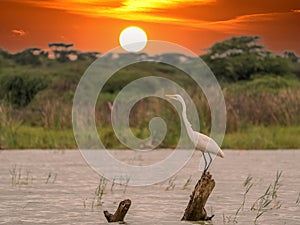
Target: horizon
point(158, 52)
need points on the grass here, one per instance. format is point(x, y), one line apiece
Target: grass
point(187, 183)
point(100, 190)
point(171, 184)
point(28, 137)
point(260, 137)
point(54, 175)
point(298, 199)
point(233, 219)
point(18, 178)
point(248, 137)
point(266, 202)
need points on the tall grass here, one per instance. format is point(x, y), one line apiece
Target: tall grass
point(261, 114)
point(9, 126)
point(263, 108)
point(243, 108)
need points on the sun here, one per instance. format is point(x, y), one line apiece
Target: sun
point(133, 39)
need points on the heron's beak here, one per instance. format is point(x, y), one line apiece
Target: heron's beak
point(170, 96)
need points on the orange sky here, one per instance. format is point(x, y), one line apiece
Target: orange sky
point(96, 24)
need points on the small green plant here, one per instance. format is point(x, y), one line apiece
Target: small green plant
point(113, 184)
point(187, 183)
point(84, 202)
point(298, 199)
point(247, 185)
point(99, 192)
point(16, 176)
point(122, 181)
point(127, 179)
point(268, 201)
point(233, 219)
point(49, 177)
point(171, 184)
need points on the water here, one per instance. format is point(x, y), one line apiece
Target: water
point(67, 197)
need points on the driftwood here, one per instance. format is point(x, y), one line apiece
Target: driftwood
point(120, 213)
point(195, 210)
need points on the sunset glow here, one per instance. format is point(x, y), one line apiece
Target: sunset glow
point(95, 25)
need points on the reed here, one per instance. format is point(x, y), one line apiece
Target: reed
point(18, 178)
point(234, 219)
point(99, 192)
point(298, 199)
point(171, 184)
point(187, 183)
point(268, 201)
point(263, 108)
point(53, 175)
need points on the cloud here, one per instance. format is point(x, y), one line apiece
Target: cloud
point(18, 32)
point(245, 23)
point(194, 14)
point(134, 10)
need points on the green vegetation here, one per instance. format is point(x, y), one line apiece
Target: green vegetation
point(268, 201)
point(253, 137)
point(242, 58)
point(261, 90)
point(260, 137)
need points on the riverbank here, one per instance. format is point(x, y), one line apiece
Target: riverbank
point(249, 137)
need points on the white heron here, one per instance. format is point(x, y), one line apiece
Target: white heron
point(201, 142)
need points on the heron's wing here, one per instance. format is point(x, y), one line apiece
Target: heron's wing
point(201, 141)
point(207, 144)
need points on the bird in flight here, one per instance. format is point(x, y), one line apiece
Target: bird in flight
point(201, 142)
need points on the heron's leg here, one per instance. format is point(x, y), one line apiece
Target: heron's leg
point(205, 164)
point(210, 161)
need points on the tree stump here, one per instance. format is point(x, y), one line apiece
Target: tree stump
point(120, 213)
point(195, 210)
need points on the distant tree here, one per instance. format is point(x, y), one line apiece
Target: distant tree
point(4, 54)
point(235, 46)
point(61, 51)
point(240, 58)
point(27, 57)
point(87, 55)
point(291, 56)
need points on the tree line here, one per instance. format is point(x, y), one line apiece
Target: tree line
point(232, 60)
point(243, 58)
point(60, 52)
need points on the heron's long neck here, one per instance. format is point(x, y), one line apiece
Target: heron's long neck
point(187, 124)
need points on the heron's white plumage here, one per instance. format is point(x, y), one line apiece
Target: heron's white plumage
point(200, 141)
point(207, 144)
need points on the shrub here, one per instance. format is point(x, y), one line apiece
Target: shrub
point(19, 90)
